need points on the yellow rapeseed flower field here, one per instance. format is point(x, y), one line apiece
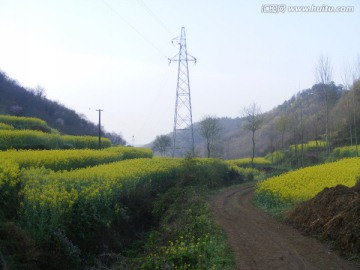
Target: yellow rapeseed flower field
point(310, 145)
point(6, 126)
point(344, 152)
point(72, 159)
point(32, 139)
point(245, 162)
point(304, 184)
point(22, 122)
point(49, 197)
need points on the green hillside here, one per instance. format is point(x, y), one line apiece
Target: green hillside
point(18, 101)
point(296, 121)
point(18, 132)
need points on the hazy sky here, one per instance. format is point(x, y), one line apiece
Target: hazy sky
point(112, 55)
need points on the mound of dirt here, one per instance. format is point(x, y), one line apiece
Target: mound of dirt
point(334, 214)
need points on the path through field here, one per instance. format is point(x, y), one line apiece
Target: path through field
point(261, 242)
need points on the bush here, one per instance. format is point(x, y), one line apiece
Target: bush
point(9, 187)
point(18, 249)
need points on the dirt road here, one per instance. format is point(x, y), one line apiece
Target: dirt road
point(261, 242)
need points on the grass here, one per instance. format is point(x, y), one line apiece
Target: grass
point(185, 237)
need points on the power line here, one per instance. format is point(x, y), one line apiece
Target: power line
point(133, 28)
point(156, 18)
point(154, 102)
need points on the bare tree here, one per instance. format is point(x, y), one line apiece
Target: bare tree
point(115, 138)
point(351, 85)
point(162, 144)
point(356, 80)
point(282, 125)
point(295, 119)
point(323, 77)
point(210, 130)
point(253, 121)
point(355, 97)
point(347, 84)
point(40, 91)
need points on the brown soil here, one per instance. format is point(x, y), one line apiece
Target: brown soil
point(333, 214)
point(260, 242)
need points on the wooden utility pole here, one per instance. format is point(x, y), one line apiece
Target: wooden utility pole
point(99, 110)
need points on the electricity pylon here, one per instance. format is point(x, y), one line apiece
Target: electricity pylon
point(183, 132)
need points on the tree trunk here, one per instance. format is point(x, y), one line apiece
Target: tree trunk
point(355, 128)
point(253, 148)
point(208, 149)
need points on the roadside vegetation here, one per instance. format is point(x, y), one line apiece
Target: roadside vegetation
point(321, 200)
point(142, 213)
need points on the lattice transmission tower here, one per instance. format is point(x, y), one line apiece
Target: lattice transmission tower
point(183, 132)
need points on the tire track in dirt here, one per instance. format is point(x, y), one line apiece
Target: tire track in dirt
point(260, 242)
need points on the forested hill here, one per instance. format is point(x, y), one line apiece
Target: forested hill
point(18, 101)
point(301, 118)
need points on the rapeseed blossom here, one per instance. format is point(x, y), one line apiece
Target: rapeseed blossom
point(304, 184)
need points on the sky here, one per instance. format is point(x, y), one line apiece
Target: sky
point(113, 55)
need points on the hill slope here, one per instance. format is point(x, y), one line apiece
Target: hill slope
point(302, 119)
point(16, 100)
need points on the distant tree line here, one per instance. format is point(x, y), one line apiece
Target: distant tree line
point(327, 114)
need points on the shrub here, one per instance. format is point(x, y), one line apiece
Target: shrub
point(9, 186)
